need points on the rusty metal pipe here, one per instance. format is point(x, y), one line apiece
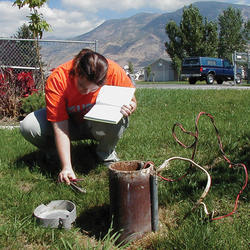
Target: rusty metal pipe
point(130, 199)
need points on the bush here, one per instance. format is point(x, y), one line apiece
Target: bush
point(9, 93)
point(26, 82)
point(33, 102)
point(9, 102)
point(13, 87)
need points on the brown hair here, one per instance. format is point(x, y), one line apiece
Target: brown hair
point(91, 65)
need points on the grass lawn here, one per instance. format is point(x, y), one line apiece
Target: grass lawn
point(27, 181)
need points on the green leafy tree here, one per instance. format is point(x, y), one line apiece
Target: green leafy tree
point(21, 53)
point(174, 46)
point(246, 31)
point(192, 30)
point(26, 50)
point(192, 37)
point(23, 32)
point(130, 68)
point(148, 73)
point(210, 39)
point(176, 63)
point(37, 24)
point(231, 33)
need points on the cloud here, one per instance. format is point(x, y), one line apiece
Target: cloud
point(11, 18)
point(77, 17)
point(163, 5)
point(65, 24)
point(96, 5)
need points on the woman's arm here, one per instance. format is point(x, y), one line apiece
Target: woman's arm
point(61, 132)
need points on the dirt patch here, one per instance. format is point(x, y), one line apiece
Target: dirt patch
point(168, 217)
point(26, 187)
point(6, 121)
point(127, 166)
point(167, 220)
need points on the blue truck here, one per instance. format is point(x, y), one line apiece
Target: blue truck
point(209, 69)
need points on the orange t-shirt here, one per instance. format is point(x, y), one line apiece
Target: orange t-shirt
point(63, 100)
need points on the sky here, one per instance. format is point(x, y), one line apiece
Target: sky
point(70, 18)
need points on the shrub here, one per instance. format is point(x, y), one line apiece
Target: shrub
point(33, 102)
point(14, 86)
point(9, 92)
point(26, 83)
point(9, 102)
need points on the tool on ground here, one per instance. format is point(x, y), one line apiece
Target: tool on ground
point(76, 187)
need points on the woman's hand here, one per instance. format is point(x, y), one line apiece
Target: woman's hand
point(66, 175)
point(127, 110)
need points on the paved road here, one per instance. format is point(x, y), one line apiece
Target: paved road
point(196, 86)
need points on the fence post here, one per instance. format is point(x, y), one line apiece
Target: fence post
point(248, 67)
point(96, 45)
point(235, 66)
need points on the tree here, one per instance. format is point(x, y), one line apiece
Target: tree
point(148, 73)
point(231, 33)
point(37, 24)
point(174, 46)
point(23, 32)
point(210, 39)
point(192, 38)
point(246, 31)
point(192, 30)
point(26, 50)
point(130, 68)
point(19, 53)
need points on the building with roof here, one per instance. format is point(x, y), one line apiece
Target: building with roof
point(160, 71)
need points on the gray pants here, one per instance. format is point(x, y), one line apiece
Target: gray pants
point(36, 129)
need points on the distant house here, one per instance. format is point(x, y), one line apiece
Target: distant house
point(160, 71)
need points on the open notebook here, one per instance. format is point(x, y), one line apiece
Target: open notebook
point(108, 104)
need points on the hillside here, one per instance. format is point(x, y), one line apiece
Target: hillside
point(141, 38)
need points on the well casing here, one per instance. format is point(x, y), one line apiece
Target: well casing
point(130, 199)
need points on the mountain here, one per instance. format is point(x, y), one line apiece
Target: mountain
point(141, 38)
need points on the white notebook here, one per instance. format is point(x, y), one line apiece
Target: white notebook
point(108, 104)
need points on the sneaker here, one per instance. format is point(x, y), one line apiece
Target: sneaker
point(108, 160)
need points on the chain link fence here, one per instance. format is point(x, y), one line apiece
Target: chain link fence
point(21, 55)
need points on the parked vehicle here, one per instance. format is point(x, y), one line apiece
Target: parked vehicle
point(209, 69)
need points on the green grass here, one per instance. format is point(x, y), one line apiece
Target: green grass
point(26, 181)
